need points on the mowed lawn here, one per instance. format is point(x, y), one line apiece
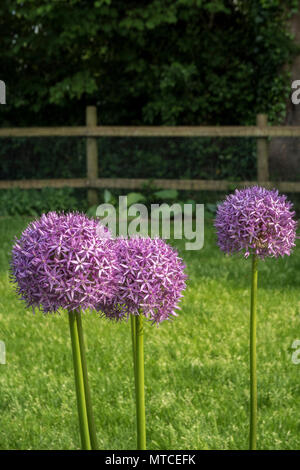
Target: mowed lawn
point(196, 367)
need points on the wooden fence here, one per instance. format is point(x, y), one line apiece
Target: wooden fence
point(262, 132)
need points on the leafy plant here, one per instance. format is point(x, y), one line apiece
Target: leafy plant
point(164, 49)
point(134, 198)
point(34, 202)
point(166, 194)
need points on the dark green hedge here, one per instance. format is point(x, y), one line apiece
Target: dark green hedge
point(203, 158)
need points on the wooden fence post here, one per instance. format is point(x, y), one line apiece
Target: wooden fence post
point(262, 151)
point(91, 155)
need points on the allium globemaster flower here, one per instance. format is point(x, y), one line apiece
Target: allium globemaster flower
point(68, 261)
point(151, 282)
point(65, 261)
point(256, 220)
point(259, 222)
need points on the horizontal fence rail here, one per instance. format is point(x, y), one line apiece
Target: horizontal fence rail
point(152, 131)
point(262, 132)
point(139, 183)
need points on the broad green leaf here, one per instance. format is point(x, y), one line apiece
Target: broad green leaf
point(133, 198)
point(166, 194)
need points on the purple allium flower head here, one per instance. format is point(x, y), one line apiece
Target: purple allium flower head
point(65, 260)
point(152, 280)
point(256, 220)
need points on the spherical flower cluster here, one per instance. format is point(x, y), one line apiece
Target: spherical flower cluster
point(152, 280)
point(256, 220)
point(64, 260)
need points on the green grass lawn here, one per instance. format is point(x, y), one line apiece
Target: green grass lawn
point(196, 367)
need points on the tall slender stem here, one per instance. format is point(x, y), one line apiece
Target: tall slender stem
point(79, 384)
point(88, 401)
point(133, 337)
point(253, 378)
point(140, 393)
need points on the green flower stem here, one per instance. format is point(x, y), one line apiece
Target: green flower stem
point(79, 384)
point(133, 337)
point(88, 401)
point(253, 378)
point(139, 381)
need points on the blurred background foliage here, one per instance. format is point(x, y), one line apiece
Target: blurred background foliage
point(159, 62)
point(178, 158)
point(152, 62)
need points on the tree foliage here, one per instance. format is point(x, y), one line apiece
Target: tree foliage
point(153, 62)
